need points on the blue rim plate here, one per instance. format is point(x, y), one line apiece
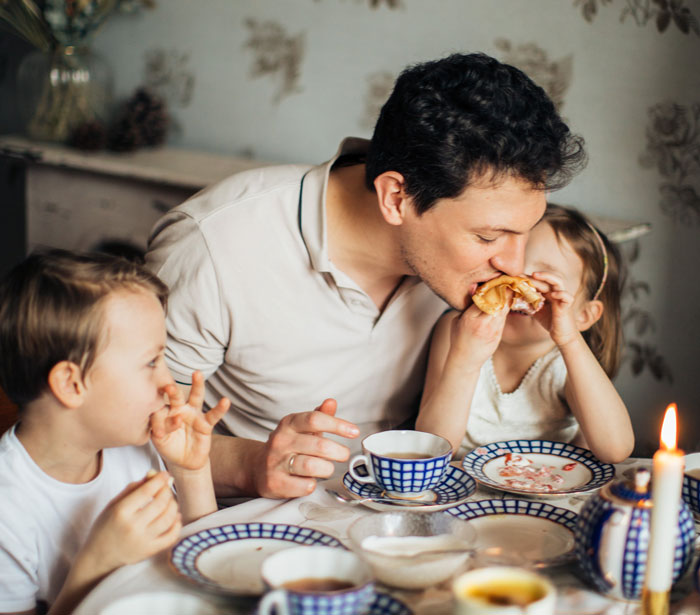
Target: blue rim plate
point(454, 487)
point(227, 559)
point(537, 468)
point(520, 532)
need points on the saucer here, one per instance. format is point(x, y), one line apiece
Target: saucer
point(454, 487)
point(537, 468)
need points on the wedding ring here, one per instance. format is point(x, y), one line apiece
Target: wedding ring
point(290, 463)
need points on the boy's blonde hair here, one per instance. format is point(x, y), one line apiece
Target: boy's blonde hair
point(603, 278)
point(51, 310)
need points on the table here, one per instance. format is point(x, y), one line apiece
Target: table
point(322, 512)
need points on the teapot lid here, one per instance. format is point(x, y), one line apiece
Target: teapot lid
point(635, 490)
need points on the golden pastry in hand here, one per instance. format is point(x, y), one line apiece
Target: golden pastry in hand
point(494, 295)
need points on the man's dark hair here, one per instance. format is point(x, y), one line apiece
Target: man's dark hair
point(451, 121)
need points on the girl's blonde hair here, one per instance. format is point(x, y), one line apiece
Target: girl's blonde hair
point(603, 278)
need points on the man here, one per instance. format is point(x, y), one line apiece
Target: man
point(293, 284)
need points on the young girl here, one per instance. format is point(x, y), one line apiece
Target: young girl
point(547, 376)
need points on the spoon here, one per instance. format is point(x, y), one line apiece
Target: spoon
point(355, 501)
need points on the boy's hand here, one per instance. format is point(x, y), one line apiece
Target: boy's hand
point(182, 432)
point(141, 521)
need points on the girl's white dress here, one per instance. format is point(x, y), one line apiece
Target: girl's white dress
point(536, 410)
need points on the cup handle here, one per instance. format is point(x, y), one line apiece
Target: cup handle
point(277, 600)
point(356, 460)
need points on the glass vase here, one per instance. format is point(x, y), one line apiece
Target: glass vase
point(61, 90)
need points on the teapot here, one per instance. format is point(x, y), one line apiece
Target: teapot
point(612, 537)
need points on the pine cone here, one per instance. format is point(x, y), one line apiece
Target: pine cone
point(89, 136)
point(144, 121)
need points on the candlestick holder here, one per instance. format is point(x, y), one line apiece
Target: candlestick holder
point(612, 537)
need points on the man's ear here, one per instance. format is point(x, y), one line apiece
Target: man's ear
point(589, 315)
point(391, 196)
point(66, 384)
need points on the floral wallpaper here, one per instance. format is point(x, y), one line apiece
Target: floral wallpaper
point(276, 53)
point(673, 149)
point(660, 13)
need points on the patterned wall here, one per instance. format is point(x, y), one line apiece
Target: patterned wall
point(286, 81)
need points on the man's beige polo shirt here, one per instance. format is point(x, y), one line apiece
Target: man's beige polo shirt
point(258, 307)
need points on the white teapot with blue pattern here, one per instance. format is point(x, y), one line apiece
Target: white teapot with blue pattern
point(612, 537)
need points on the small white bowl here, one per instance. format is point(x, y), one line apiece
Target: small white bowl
point(392, 544)
point(161, 603)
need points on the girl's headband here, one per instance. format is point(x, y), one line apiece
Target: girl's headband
point(604, 252)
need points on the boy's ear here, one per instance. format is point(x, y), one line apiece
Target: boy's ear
point(391, 196)
point(66, 384)
point(589, 314)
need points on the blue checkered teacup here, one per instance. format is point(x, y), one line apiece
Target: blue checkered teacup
point(316, 580)
point(691, 483)
point(403, 462)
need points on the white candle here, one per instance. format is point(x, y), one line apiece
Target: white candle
point(667, 478)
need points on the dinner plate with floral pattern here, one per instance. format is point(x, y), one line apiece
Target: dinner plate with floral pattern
point(455, 486)
point(227, 559)
point(537, 468)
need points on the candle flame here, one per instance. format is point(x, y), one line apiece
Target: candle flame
point(668, 428)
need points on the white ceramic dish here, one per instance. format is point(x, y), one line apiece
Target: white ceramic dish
point(519, 532)
point(537, 468)
point(455, 487)
point(397, 545)
point(227, 559)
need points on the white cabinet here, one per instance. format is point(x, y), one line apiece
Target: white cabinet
point(78, 200)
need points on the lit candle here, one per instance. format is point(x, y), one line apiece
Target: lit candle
point(667, 478)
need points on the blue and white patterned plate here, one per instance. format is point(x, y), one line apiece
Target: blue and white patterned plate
point(520, 532)
point(227, 559)
point(454, 487)
point(537, 468)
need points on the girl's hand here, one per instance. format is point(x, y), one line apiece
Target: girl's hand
point(557, 316)
point(141, 521)
point(181, 432)
point(474, 336)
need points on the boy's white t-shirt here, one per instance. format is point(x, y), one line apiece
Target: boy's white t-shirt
point(536, 410)
point(44, 522)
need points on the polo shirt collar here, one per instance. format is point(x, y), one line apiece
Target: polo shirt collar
point(312, 204)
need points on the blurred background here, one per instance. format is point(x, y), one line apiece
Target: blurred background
point(286, 80)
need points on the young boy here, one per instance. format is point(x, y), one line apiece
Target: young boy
point(81, 354)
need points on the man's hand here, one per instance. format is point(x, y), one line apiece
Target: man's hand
point(296, 454)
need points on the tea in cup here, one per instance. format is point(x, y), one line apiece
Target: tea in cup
point(502, 590)
point(403, 462)
point(316, 580)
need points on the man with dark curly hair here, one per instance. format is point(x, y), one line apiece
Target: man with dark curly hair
point(293, 284)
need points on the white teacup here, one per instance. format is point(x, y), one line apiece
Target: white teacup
point(503, 590)
point(316, 580)
point(403, 462)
